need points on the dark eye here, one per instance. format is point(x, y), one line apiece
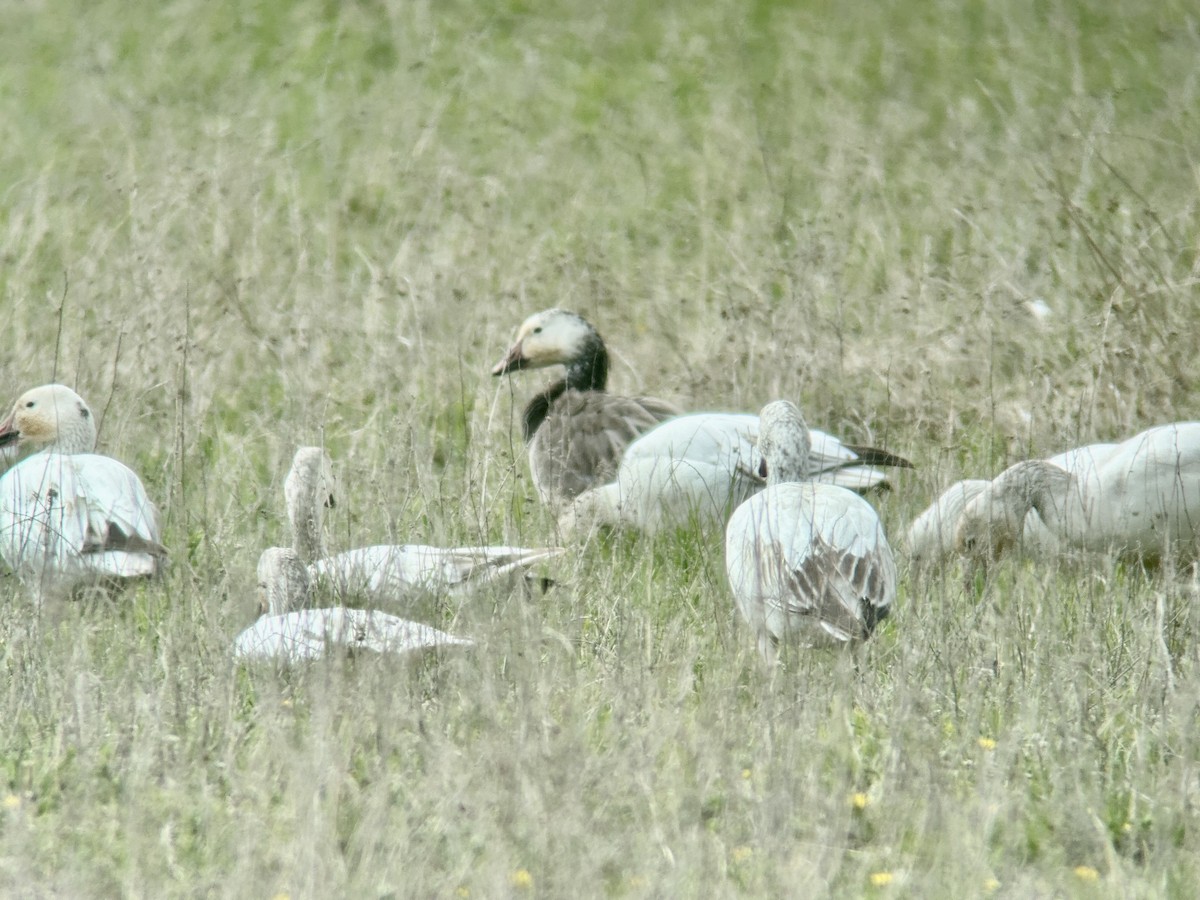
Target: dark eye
point(30, 405)
point(538, 330)
point(83, 411)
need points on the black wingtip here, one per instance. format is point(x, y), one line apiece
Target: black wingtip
point(873, 456)
point(872, 616)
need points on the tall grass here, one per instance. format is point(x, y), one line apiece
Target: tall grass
point(239, 227)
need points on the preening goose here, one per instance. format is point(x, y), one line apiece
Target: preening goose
point(575, 431)
point(68, 515)
point(1140, 498)
point(805, 559)
point(931, 538)
point(701, 467)
point(388, 572)
point(289, 634)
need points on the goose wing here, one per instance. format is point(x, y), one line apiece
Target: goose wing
point(832, 462)
point(391, 571)
point(70, 516)
point(581, 441)
point(810, 558)
point(307, 634)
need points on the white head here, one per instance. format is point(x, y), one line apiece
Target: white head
point(53, 418)
point(551, 337)
point(784, 442)
point(282, 582)
point(308, 491)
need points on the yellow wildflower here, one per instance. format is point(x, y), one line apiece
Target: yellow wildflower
point(860, 800)
point(12, 801)
point(521, 879)
point(1086, 873)
point(882, 879)
point(991, 885)
point(741, 854)
point(987, 743)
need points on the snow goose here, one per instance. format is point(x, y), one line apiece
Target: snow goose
point(803, 557)
point(69, 515)
point(1139, 498)
point(387, 571)
point(575, 431)
point(288, 634)
point(704, 465)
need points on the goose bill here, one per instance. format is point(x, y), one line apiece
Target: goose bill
point(513, 361)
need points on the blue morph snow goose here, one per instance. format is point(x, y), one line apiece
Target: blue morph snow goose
point(388, 572)
point(1140, 498)
point(575, 431)
point(805, 561)
point(290, 632)
point(700, 467)
point(68, 515)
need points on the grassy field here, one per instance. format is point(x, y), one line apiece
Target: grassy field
point(965, 231)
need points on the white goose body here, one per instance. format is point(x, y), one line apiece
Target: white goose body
point(389, 572)
point(393, 570)
point(289, 635)
point(68, 515)
point(1139, 498)
point(702, 466)
point(575, 432)
point(805, 560)
point(930, 538)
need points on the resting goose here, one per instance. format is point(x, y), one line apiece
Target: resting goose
point(575, 431)
point(289, 634)
point(387, 571)
point(701, 467)
point(69, 515)
point(805, 558)
point(1139, 498)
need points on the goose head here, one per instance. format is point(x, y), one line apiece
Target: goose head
point(784, 442)
point(558, 337)
point(308, 491)
point(282, 582)
point(994, 521)
point(51, 417)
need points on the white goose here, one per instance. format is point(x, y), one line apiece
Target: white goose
point(575, 431)
point(289, 634)
point(701, 467)
point(388, 572)
point(1139, 498)
point(69, 515)
point(804, 558)
point(931, 537)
